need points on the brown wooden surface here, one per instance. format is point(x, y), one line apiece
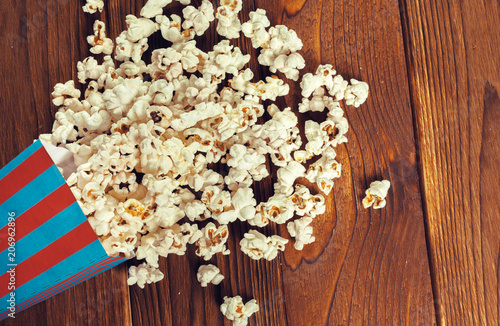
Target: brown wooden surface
point(430, 64)
point(453, 56)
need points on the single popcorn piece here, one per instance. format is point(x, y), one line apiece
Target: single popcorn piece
point(100, 43)
point(324, 171)
point(280, 53)
point(302, 231)
point(258, 246)
point(234, 310)
point(153, 8)
point(199, 19)
point(255, 28)
point(213, 241)
point(65, 94)
point(375, 195)
point(92, 6)
point(228, 23)
point(143, 274)
point(356, 93)
point(209, 274)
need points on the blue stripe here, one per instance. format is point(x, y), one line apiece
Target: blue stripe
point(45, 234)
point(82, 259)
point(82, 278)
point(28, 303)
point(20, 158)
point(36, 190)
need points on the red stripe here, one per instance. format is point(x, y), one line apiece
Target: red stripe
point(24, 173)
point(49, 256)
point(43, 211)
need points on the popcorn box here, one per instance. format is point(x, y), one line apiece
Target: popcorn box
point(47, 244)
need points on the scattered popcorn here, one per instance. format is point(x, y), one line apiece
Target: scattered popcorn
point(92, 6)
point(145, 137)
point(375, 195)
point(234, 310)
point(257, 246)
point(100, 43)
point(209, 274)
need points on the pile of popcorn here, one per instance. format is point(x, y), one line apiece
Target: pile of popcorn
point(144, 135)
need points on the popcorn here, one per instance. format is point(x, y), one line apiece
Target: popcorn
point(90, 69)
point(143, 274)
point(171, 29)
point(258, 246)
point(100, 43)
point(280, 53)
point(199, 18)
point(301, 230)
point(139, 28)
point(269, 90)
point(126, 49)
point(227, 59)
point(228, 23)
point(357, 93)
point(65, 94)
point(234, 310)
point(324, 170)
point(92, 6)
point(286, 177)
point(255, 28)
point(209, 274)
point(154, 8)
point(375, 195)
point(213, 241)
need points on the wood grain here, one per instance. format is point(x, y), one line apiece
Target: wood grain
point(453, 56)
point(366, 267)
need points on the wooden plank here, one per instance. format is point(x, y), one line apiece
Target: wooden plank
point(454, 71)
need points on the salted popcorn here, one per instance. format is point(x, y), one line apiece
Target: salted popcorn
point(375, 195)
point(258, 246)
point(234, 310)
point(209, 274)
point(92, 6)
point(169, 143)
point(100, 43)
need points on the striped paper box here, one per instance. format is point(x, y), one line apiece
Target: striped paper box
point(54, 246)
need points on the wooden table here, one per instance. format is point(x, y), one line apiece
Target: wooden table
point(430, 126)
